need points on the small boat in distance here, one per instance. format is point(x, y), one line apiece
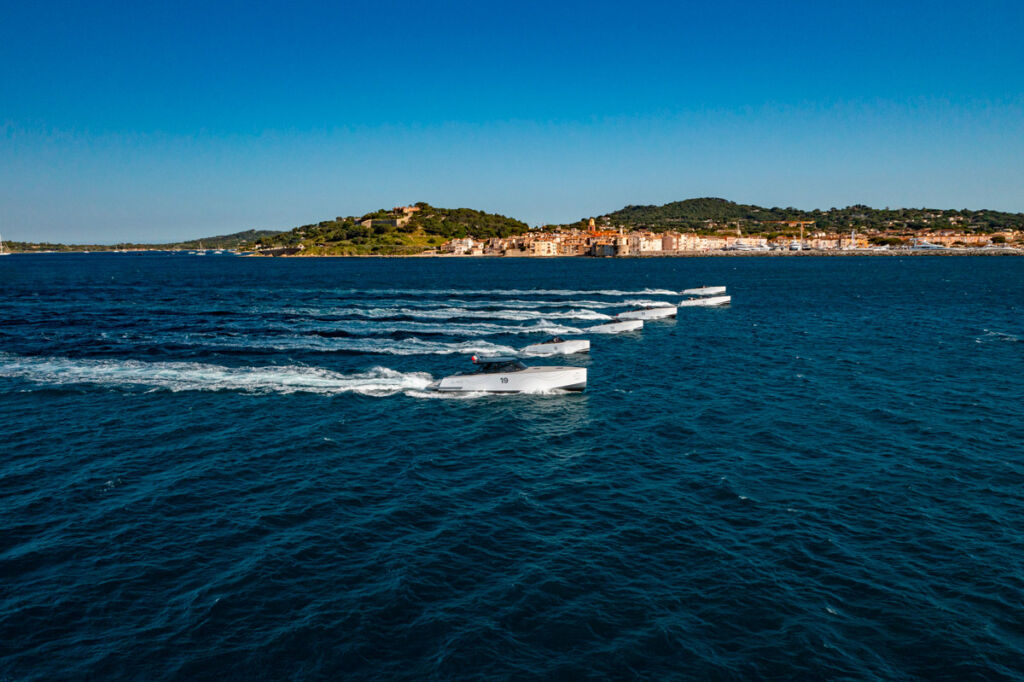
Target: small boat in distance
point(558, 346)
point(703, 291)
point(505, 374)
point(2, 252)
point(709, 302)
point(616, 327)
point(648, 313)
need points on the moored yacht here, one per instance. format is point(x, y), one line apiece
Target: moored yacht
point(509, 375)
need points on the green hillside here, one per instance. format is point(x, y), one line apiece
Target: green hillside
point(386, 232)
point(244, 239)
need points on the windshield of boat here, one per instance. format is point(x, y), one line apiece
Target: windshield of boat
point(499, 367)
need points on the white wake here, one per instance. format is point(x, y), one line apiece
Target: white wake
point(194, 376)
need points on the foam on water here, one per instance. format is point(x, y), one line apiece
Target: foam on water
point(362, 345)
point(469, 329)
point(487, 304)
point(194, 376)
point(449, 313)
point(508, 292)
point(991, 335)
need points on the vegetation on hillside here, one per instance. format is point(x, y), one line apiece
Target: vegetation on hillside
point(405, 232)
point(711, 214)
point(394, 232)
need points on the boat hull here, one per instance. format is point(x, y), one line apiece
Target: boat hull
point(647, 314)
point(708, 302)
point(616, 327)
point(703, 291)
point(530, 380)
point(561, 348)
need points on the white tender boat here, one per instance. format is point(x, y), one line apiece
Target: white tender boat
point(648, 313)
point(703, 291)
point(558, 346)
point(509, 375)
point(616, 327)
point(709, 301)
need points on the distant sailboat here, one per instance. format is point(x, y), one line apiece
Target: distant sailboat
point(2, 252)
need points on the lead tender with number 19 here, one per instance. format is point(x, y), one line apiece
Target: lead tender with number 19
point(505, 374)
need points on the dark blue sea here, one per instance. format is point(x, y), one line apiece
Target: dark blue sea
point(228, 468)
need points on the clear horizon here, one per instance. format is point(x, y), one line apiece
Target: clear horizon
point(155, 124)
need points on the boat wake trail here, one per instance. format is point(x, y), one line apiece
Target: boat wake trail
point(453, 313)
point(460, 303)
point(334, 343)
point(193, 376)
point(508, 292)
point(357, 328)
point(991, 335)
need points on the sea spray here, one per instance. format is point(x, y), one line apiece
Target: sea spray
point(194, 376)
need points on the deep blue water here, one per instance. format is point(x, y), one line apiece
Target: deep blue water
point(226, 468)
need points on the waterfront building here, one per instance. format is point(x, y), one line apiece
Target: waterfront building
point(544, 247)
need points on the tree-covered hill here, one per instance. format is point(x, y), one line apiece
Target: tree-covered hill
point(395, 231)
point(238, 240)
point(692, 210)
point(242, 239)
point(465, 222)
point(711, 214)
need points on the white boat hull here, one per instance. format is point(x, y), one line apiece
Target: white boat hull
point(710, 301)
point(561, 348)
point(647, 314)
point(616, 327)
point(703, 291)
point(529, 380)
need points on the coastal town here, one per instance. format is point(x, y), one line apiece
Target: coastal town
point(693, 227)
point(605, 241)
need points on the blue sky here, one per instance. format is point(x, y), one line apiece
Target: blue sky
point(157, 121)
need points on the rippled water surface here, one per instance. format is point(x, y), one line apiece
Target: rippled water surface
point(229, 468)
